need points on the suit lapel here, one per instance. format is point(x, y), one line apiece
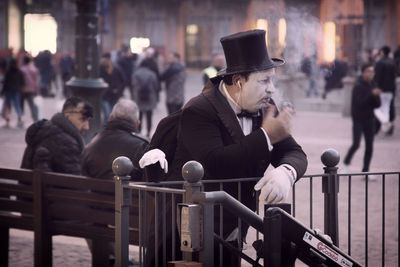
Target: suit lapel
point(224, 111)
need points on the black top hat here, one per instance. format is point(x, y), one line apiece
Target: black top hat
point(246, 52)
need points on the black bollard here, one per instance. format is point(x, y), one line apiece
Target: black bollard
point(330, 187)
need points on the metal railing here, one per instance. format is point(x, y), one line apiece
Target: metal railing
point(334, 204)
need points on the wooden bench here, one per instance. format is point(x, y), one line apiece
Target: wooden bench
point(58, 204)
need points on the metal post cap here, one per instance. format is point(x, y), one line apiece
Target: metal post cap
point(330, 157)
point(192, 171)
point(122, 166)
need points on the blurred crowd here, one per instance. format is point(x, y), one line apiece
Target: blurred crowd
point(138, 76)
point(333, 72)
point(142, 76)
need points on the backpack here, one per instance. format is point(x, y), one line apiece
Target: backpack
point(165, 138)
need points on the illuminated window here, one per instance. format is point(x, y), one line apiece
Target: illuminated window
point(282, 32)
point(138, 44)
point(192, 29)
point(262, 24)
point(14, 25)
point(40, 33)
point(329, 41)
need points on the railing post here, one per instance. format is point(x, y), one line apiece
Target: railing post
point(192, 173)
point(122, 167)
point(330, 187)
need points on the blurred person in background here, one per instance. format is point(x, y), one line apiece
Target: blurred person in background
point(115, 79)
point(126, 62)
point(67, 68)
point(150, 55)
point(174, 76)
point(385, 78)
point(217, 63)
point(309, 68)
point(365, 98)
point(334, 72)
point(47, 72)
point(12, 87)
point(396, 57)
point(145, 86)
point(31, 88)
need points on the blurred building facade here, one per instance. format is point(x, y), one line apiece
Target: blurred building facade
point(328, 29)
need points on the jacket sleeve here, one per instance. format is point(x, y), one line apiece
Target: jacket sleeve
point(364, 99)
point(41, 159)
point(289, 152)
point(379, 69)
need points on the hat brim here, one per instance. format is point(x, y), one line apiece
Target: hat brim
point(275, 62)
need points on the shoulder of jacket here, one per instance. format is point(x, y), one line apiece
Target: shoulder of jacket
point(141, 137)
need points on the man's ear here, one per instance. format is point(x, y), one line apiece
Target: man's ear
point(235, 79)
point(66, 115)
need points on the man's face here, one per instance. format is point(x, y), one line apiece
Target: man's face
point(75, 116)
point(368, 74)
point(171, 58)
point(257, 91)
point(105, 61)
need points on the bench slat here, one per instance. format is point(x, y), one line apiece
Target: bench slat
point(18, 190)
point(16, 206)
point(21, 175)
point(84, 197)
point(79, 182)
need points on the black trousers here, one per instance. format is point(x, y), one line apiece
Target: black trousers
point(368, 129)
point(149, 116)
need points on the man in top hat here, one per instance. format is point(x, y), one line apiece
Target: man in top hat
point(233, 128)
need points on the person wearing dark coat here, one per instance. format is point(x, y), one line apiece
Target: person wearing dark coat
point(365, 98)
point(385, 78)
point(14, 81)
point(118, 137)
point(334, 75)
point(174, 76)
point(234, 130)
point(145, 86)
point(115, 79)
point(126, 62)
point(56, 145)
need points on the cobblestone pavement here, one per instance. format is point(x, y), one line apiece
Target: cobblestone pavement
point(315, 131)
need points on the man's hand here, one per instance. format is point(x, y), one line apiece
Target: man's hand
point(153, 156)
point(376, 91)
point(275, 185)
point(277, 128)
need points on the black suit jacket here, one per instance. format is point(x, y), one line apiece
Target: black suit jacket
point(209, 132)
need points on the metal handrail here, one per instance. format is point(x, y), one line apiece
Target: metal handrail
point(330, 182)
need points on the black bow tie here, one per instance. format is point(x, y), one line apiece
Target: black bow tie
point(247, 114)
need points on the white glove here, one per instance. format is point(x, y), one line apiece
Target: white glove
point(153, 156)
point(275, 185)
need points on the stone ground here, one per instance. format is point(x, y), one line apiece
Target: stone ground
point(315, 131)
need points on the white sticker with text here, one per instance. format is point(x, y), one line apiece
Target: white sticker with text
point(326, 250)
